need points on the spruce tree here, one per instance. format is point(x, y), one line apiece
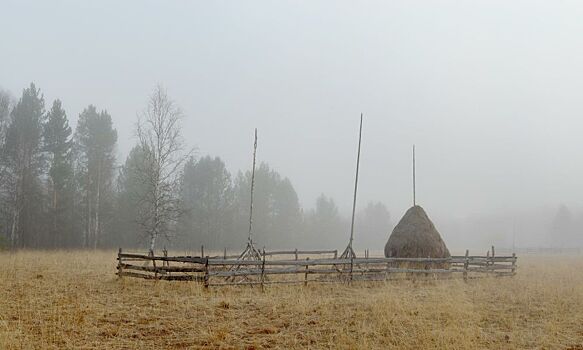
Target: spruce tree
point(207, 194)
point(130, 192)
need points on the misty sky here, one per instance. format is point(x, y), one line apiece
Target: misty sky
point(491, 92)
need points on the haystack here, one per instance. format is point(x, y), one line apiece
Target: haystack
point(416, 237)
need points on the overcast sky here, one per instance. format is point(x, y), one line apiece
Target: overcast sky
point(491, 92)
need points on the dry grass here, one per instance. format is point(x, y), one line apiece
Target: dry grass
point(72, 300)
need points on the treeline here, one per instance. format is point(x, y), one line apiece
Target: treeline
point(65, 188)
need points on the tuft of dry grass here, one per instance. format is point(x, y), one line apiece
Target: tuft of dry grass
point(73, 300)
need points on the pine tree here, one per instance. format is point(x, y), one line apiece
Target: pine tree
point(95, 141)
point(23, 157)
point(5, 108)
point(58, 145)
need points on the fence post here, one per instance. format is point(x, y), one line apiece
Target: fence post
point(202, 251)
point(428, 265)
point(466, 265)
point(513, 264)
point(165, 262)
point(119, 264)
point(351, 268)
point(225, 254)
point(263, 271)
point(306, 273)
point(493, 260)
point(296, 253)
point(151, 253)
point(206, 273)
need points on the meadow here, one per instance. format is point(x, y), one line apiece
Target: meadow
point(73, 300)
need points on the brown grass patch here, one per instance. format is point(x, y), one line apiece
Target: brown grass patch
point(78, 303)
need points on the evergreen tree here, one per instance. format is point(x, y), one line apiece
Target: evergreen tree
point(287, 218)
point(276, 213)
point(130, 191)
point(323, 224)
point(207, 194)
point(373, 226)
point(23, 159)
point(95, 141)
point(58, 145)
point(562, 228)
point(5, 108)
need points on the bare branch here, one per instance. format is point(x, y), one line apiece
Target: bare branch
point(160, 138)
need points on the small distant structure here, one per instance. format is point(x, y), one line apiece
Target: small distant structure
point(415, 236)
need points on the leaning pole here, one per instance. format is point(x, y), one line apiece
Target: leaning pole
point(349, 252)
point(250, 252)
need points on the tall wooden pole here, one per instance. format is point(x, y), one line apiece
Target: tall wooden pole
point(355, 184)
point(250, 237)
point(414, 189)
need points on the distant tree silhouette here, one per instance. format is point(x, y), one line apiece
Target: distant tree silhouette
point(208, 197)
point(96, 140)
point(562, 227)
point(23, 158)
point(59, 145)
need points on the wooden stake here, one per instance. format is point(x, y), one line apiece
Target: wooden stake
point(250, 238)
point(467, 264)
point(206, 274)
point(306, 273)
point(493, 256)
point(119, 264)
point(414, 180)
point(154, 264)
point(349, 252)
point(356, 182)
point(263, 271)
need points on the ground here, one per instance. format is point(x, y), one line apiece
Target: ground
point(73, 300)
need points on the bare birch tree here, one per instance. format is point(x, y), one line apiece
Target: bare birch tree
point(159, 136)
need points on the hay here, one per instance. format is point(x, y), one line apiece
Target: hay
point(416, 237)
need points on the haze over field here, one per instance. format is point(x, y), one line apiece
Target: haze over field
point(489, 91)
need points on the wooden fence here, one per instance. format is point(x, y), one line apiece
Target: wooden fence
point(216, 271)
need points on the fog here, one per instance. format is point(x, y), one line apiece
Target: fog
point(488, 91)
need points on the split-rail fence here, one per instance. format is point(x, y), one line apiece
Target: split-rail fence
point(229, 270)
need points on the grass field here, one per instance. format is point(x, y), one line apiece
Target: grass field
point(73, 300)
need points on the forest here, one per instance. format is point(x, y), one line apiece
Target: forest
point(68, 188)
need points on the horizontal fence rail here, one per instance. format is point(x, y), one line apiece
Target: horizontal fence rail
point(229, 270)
